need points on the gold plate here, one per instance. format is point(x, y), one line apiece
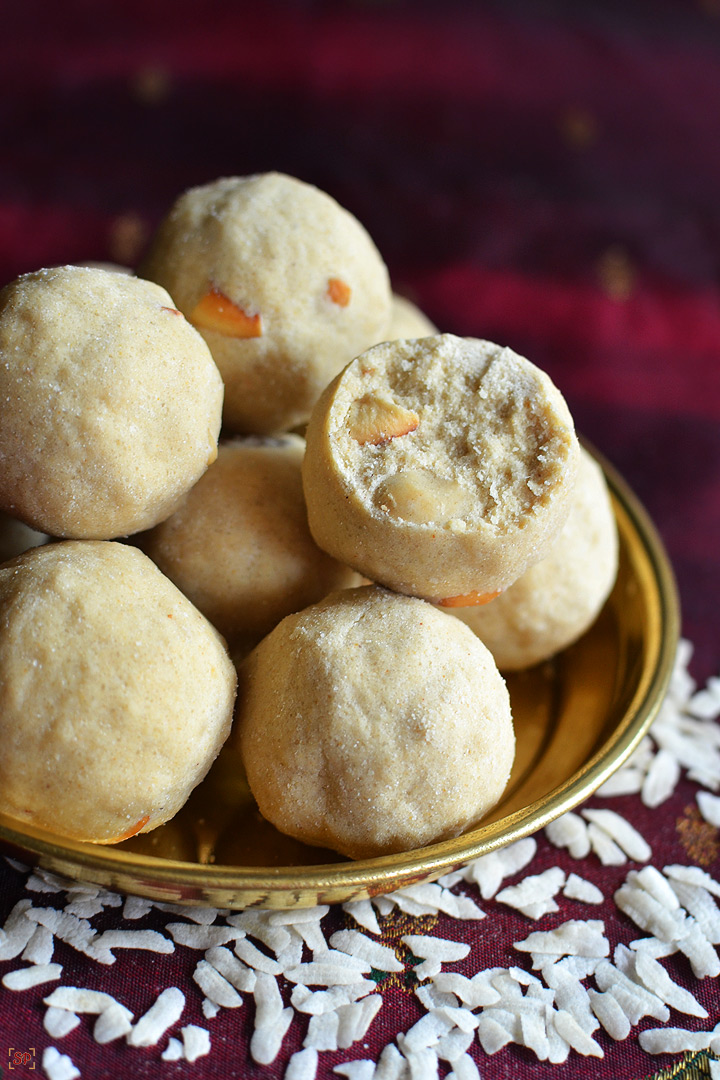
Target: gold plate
point(577, 719)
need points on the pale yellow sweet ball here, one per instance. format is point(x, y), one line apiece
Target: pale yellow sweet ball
point(559, 598)
point(112, 403)
point(239, 545)
point(441, 467)
point(116, 694)
point(285, 285)
point(373, 723)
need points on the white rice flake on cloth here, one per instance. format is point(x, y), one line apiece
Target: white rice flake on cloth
point(161, 1016)
point(570, 988)
point(58, 1066)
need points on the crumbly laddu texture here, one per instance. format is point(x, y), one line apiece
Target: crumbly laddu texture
point(557, 599)
point(285, 285)
point(116, 694)
point(440, 466)
point(373, 723)
point(115, 403)
point(239, 545)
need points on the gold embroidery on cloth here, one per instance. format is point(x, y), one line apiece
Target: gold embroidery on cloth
point(393, 928)
point(693, 1066)
point(616, 273)
point(699, 839)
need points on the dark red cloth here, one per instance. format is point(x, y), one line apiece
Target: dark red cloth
point(545, 176)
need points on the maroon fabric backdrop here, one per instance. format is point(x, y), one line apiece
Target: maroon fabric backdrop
point(543, 175)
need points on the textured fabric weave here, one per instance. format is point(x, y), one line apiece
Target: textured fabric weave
point(545, 176)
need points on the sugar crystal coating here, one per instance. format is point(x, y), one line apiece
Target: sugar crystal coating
point(113, 403)
point(285, 285)
point(116, 694)
point(372, 723)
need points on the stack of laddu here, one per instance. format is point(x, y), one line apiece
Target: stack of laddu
point(254, 437)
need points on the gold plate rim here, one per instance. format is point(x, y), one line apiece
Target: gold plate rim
point(285, 887)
